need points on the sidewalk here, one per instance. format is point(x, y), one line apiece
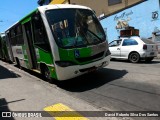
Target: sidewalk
point(29, 93)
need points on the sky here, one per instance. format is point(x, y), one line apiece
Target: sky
point(12, 11)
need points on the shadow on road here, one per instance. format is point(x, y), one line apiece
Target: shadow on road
point(5, 73)
point(152, 62)
point(4, 108)
point(92, 80)
point(86, 82)
point(155, 61)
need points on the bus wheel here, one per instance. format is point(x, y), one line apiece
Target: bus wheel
point(18, 63)
point(46, 74)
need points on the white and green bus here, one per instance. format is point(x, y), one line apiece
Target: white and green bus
point(59, 41)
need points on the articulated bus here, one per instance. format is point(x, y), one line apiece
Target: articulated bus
point(59, 41)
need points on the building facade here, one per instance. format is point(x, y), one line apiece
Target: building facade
point(101, 7)
point(140, 16)
point(105, 7)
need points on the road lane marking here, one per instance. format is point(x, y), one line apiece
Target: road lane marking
point(62, 112)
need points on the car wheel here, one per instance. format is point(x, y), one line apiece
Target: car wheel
point(149, 59)
point(134, 57)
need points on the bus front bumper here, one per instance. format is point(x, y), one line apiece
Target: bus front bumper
point(65, 73)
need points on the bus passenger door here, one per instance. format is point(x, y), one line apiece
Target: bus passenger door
point(29, 45)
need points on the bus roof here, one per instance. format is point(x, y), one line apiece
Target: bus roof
point(61, 6)
point(42, 9)
point(11, 26)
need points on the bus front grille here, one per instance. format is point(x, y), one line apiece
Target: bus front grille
point(86, 59)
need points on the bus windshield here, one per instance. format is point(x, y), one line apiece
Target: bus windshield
point(75, 27)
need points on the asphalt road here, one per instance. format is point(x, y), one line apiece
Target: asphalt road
point(121, 86)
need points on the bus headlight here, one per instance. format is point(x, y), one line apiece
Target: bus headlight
point(64, 63)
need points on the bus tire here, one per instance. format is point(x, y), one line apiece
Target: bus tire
point(46, 73)
point(18, 63)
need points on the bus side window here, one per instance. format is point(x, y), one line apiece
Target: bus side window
point(40, 35)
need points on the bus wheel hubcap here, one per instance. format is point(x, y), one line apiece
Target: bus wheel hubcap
point(47, 73)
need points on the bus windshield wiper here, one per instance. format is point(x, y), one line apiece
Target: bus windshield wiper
point(76, 38)
point(94, 34)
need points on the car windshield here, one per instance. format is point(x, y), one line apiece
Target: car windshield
point(75, 27)
point(147, 41)
point(115, 43)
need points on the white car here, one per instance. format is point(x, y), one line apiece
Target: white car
point(133, 48)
